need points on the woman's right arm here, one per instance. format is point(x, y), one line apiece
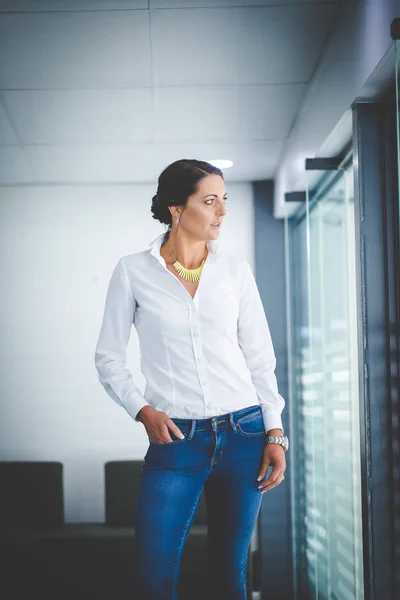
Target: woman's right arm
point(110, 353)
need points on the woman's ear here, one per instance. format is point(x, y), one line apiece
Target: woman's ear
point(173, 211)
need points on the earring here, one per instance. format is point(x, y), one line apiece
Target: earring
point(177, 221)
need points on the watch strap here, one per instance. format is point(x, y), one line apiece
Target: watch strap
point(277, 439)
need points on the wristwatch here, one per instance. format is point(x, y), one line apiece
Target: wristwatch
point(276, 439)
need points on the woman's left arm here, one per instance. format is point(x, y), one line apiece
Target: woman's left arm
point(256, 344)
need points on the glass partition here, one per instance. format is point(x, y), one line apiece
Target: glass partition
point(394, 320)
point(324, 408)
point(397, 86)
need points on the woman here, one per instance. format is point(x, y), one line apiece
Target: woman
point(211, 408)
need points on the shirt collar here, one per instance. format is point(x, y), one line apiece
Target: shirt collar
point(213, 247)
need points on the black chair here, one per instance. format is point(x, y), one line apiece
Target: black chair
point(42, 556)
point(31, 513)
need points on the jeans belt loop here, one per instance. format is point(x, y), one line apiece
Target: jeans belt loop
point(232, 422)
point(193, 427)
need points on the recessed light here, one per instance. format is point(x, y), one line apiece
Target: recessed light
point(221, 164)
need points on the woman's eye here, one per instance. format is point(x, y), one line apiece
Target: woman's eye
point(212, 200)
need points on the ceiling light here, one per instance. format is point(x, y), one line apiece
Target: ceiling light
point(221, 164)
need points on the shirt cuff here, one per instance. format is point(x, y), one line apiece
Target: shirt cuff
point(272, 419)
point(134, 405)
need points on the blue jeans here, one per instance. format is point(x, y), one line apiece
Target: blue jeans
point(223, 455)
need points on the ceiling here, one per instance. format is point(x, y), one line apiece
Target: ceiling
point(112, 91)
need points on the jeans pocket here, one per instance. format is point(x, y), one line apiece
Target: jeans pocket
point(175, 439)
point(251, 425)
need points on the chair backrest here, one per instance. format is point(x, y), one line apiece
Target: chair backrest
point(31, 495)
point(121, 487)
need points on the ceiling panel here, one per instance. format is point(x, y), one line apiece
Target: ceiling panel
point(239, 45)
point(62, 5)
point(252, 160)
point(98, 93)
point(81, 116)
point(74, 50)
point(14, 166)
point(225, 113)
point(92, 164)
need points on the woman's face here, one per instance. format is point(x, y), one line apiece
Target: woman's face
point(204, 208)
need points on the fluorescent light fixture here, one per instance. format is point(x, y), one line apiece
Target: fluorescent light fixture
point(221, 164)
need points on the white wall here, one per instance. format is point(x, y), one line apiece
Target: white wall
point(59, 245)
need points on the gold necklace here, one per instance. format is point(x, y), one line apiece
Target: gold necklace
point(188, 274)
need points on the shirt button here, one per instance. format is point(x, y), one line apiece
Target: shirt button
point(195, 334)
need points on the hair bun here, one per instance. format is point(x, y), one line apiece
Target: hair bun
point(155, 203)
point(160, 212)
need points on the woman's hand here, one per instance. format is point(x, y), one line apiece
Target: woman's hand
point(157, 425)
point(274, 455)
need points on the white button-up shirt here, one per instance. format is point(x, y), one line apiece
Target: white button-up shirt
point(201, 357)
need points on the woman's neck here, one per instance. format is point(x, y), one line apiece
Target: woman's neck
point(188, 253)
